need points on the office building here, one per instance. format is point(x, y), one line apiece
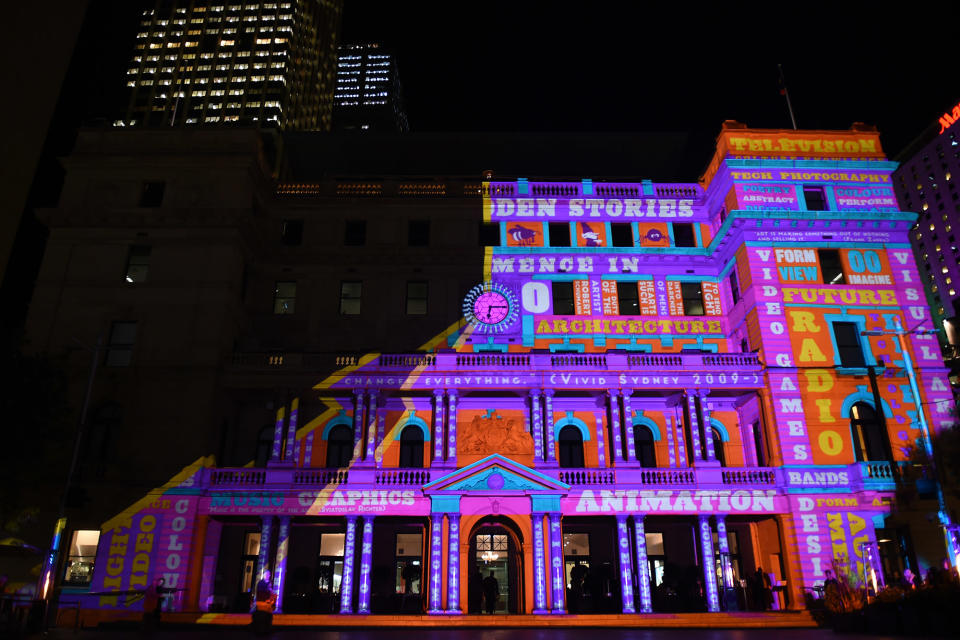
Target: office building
point(205, 62)
point(368, 95)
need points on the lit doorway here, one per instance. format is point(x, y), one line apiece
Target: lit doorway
point(494, 552)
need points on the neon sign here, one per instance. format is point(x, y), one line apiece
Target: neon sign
point(948, 119)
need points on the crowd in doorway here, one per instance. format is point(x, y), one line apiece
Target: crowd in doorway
point(484, 593)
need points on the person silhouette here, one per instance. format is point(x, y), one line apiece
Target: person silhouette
point(491, 592)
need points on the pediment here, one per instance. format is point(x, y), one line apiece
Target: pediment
point(498, 474)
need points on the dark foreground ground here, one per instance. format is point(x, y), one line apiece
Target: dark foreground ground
point(414, 633)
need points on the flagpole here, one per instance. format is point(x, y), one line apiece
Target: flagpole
point(786, 94)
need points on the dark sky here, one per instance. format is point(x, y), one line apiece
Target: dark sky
point(537, 66)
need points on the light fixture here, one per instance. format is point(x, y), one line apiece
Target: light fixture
point(489, 556)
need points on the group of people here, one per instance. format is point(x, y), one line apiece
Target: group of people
point(484, 593)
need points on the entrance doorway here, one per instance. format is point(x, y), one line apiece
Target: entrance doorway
point(494, 551)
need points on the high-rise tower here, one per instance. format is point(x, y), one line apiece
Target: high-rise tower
point(207, 62)
point(368, 94)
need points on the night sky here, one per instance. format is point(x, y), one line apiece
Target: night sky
point(525, 66)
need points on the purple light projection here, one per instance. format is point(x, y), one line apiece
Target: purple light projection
point(628, 424)
point(366, 560)
point(371, 425)
point(437, 425)
point(548, 424)
point(539, 574)
point(626, 581)
point(726, 568)
point(617, 441)
point(707, 433)
point(292, 430)
point(357, 417)
point(556, 563)
point(681, 443)
point(346, 581)
point(278, 434)
point(536, 425)
point(668, 429)
point(643, 567)
point(283, 547)
point(452, 424)
point(601, 456)
point(709, 570)
point(694, 427)
point(453, 564)
point(263, 553)
point(436, 562)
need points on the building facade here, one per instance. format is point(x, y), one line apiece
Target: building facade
point(656, 391)
point(204, 62)
point(925, 183)
point(368, 95)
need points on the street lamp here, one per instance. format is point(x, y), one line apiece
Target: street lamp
point(943, 514)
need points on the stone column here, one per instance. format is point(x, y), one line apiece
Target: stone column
point(668, 432)
point(291, 431)
point(453, 563)
point(709, 564)
point(437, 426)
point(726, 567)
point(436, 563)
point(381, 434)
point(690, 399)
point(548, 424)
point(371, 426)
point(628, 425)
point(556, 564)
point(263, 555)
point(357, 419)
point(346, 580)
point(536, 425)
point(681, 439)
point(626, 572)
point(366, 560)
point(643, 566)
point(277, 450)
point(452, 425)
point(539, 567)
point(707, 430)
point(616, 431)
point(280, 564)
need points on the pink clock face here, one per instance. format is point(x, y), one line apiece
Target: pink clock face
point(491, 307)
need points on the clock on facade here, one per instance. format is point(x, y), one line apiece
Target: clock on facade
point(490, 307)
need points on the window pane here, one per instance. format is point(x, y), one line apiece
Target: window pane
point(830, 266)
point(292, 232)
point(138, 263)
point(409, 544)
point(622, 234)
point(654, 544)
point(350, 296)
point(331, 544)
point(418, 233)
point(120, 346)
point(563, 299)
point(628, 298)
point(284, 298)
point(576, 544)
point(849, 347)
point(355, 233)
point(416, 298)
point(692, 298)
point(251, 544)
point(559, 234)
point(683, 235)
point(816, 201)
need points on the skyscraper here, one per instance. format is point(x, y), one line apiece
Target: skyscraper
point(368, 94)
point(926, 183)
point(206, 62)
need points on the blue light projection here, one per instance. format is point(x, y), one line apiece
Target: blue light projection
point(349, 551)
point(366, 560)
point(436, 548)
point(643, 573)
point(626, 580)
point(709, 577)
point(453, 564)
point(539, 573)
point(556, 561)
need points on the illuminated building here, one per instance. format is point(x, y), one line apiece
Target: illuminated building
point(368, 94)
point(926, 183)
point(655, 385)
point(210, 62)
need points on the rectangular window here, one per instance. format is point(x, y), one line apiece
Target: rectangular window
point(849, 347)
point(628, 298)
point(284, 298)
point(563, 304)
point(621, 234)
point(559, 234)
point(355, 233)
point(418, 233)
point(734, 286)
point(350, 294)
point(80, 558)
point(409, 549)
point(758, 444)
point(683, 235)
point(816, 200)
point(417, 298)
point(830, 266)
point(120, 346)
point(291, 233)
point(489, 234)
point(138, 263)
point(151, 194)
point(692, 294)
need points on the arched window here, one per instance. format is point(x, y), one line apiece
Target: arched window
point(718, 447)
point(411, 447)
point(571, 447)
point(643, 441)
point(339, 446)
point(868, 441)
